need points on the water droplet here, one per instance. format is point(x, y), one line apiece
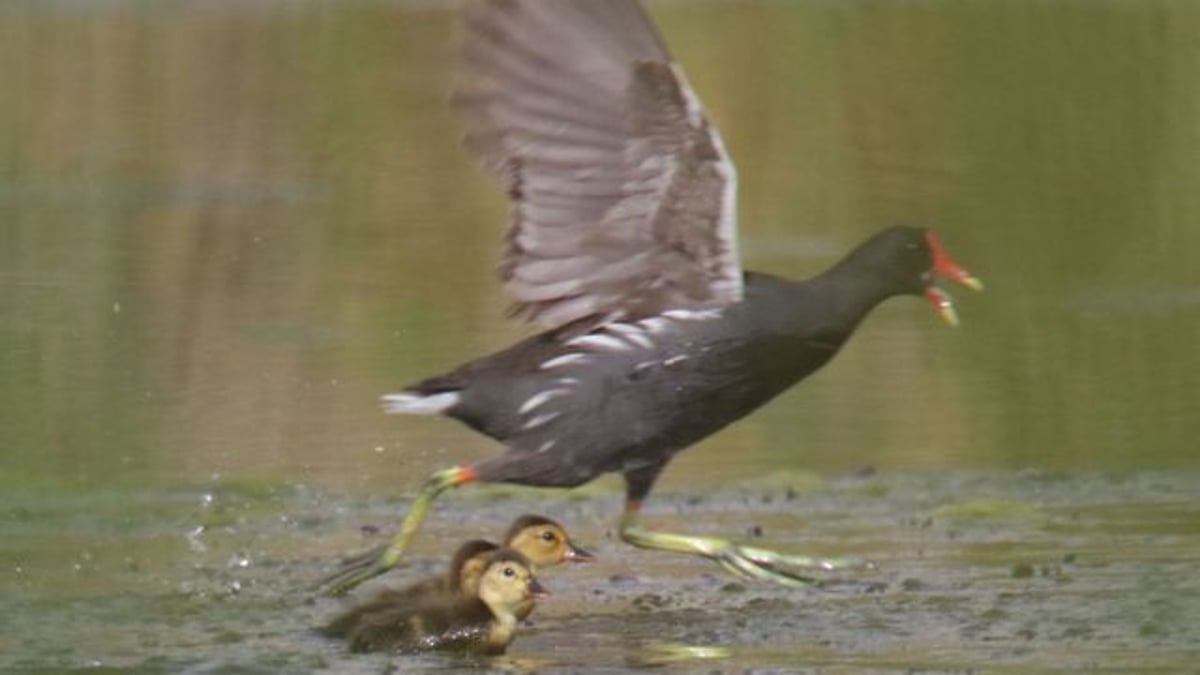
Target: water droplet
point(194, 542)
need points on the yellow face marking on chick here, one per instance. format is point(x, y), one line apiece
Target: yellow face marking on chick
point(542, 544)
point(506, 587)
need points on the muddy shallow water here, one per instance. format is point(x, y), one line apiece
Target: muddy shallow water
point(1010, 572)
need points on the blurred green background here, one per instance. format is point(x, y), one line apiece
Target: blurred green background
point(228, 228)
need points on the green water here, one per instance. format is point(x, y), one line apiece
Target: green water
point(226, 229)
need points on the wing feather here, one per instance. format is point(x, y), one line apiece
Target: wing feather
point(623, 197)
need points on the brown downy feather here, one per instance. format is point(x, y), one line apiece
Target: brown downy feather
point(483, 624)
point(465, 568)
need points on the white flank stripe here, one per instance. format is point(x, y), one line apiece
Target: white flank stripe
point(655, 324)
point(692, 314)
point(639, 367)
point(632, 333)
point(419, 404)
point(562, 361)
point(675, 359)
point(540, 398)
point(540, 420)
point(599, 341)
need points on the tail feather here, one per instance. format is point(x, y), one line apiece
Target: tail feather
point(412, 403)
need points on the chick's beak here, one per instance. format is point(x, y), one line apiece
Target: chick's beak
point(945, 267)
point(576, 554)
point(537, 590)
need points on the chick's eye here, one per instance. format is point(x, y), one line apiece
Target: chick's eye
point(510, 572)
point(548, 535)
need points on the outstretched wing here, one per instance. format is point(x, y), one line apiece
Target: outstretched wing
point(623, 198)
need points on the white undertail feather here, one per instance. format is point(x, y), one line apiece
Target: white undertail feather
point(419, 404)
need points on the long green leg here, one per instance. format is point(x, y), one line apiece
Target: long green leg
point(756, 564)
point(376, 561)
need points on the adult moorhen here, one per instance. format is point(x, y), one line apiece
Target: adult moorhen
point(622, 242)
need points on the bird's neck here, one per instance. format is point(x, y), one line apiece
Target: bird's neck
point(826, 307)
point(502, 625)
point(850, 291)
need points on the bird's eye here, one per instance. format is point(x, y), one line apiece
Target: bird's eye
point(548, 535)
point(510, 572)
